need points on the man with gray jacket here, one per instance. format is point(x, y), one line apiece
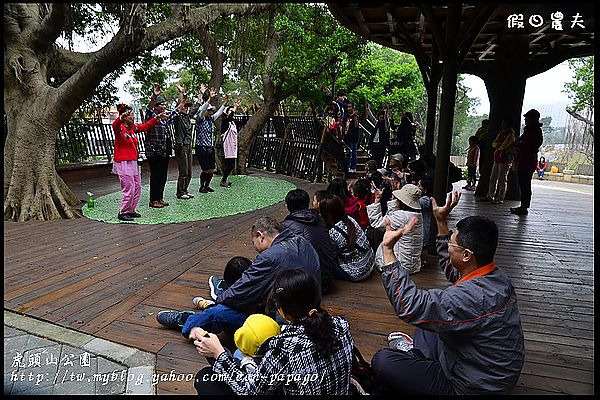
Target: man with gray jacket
point(468, 337)
point(278, 249)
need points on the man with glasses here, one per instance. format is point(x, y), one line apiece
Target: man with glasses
point(468, 337)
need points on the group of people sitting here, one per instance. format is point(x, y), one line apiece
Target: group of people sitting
point(468, 337)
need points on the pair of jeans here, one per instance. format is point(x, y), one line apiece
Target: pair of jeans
point(159, 166)
point(215, 319)
point(184, 165)
point(351, 158)
point(417, 371)
point(540, 173)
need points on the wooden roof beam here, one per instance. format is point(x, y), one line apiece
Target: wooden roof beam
point(474, 25)
point(436, 27)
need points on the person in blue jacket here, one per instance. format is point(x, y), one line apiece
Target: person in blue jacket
point(279, 249)
point(468, 337)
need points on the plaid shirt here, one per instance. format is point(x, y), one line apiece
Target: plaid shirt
point(158, 142)
point(292, 365)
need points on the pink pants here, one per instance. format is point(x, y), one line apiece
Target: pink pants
point(131, 187)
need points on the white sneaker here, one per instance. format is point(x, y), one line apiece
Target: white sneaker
point(400, 341)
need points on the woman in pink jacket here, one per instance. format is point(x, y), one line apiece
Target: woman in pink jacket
point(125, 159)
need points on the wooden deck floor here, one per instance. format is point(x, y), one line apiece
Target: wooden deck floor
point(110, 280)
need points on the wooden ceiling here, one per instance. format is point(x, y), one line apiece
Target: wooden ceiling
point(401, 26)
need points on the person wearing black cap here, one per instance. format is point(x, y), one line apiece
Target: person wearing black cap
point(158, 144)
point(183, 141)
point(205, 150)
point(528, 144)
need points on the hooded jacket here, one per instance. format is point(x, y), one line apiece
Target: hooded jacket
point(310, 225)
point(249, 293)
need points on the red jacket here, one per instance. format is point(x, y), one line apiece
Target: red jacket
point(351, 208)
point(529, 144)
point(363, 217)
point(126, 139)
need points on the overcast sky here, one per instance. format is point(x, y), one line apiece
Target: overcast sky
point(543, 92)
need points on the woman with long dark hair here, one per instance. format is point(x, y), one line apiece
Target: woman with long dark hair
point(354, 253)
point(229, 138)
point(311, 356)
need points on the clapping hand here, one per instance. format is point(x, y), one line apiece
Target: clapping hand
point(156, 89)
point(180, 87)
point(162, 115)
point(202, 89)
point(213, 92)
point(378, 192)
point(441, 213)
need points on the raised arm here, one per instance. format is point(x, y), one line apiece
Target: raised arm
point(155, 93)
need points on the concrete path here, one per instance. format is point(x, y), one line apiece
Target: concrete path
point(43, 358)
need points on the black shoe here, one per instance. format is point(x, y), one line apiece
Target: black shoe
point(173, 319)
point(134, 214)
point(209, 189)
point(519, 211)
point(203, 190)
point(125, 217)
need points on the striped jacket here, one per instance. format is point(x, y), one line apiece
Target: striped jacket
point(477, 321)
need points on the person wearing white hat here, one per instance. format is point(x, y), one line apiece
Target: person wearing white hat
point(403, 206)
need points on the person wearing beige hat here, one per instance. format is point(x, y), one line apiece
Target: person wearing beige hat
point(403, 206)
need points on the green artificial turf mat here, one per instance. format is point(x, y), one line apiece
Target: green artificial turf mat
point(247, 193)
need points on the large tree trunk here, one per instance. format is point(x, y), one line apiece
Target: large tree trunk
point(32, 188)
point(36, 112)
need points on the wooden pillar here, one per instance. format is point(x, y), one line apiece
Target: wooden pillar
point(432, 91)
point(505, 84)
point(448, 100)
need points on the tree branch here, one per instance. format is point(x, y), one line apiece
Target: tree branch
point(50, 28)
point(64, 63)
point(580, 117)
point(133, 38)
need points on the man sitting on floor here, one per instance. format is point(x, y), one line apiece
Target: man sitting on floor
point(279, 249)
point(309, 224)
point(468, 337)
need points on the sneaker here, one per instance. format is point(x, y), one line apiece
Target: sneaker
point(224, 184)
point(201, 303)
point(217, 286)
point(203, 190)
point(183, 197)
point(209, 189)
point(173, 319)
point(125, 217)
point(400, 341)
point(519, 211)
point(497, 201)
point(134, 214)
point(156, 204)
point(191, 196)
point(164, 203)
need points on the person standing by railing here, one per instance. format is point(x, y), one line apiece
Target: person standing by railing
point(205, 150)
point(229, 138)
point(351, 136)
point(125, 161)
point(159, 145)
point(183, 142)
point(380, 137)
